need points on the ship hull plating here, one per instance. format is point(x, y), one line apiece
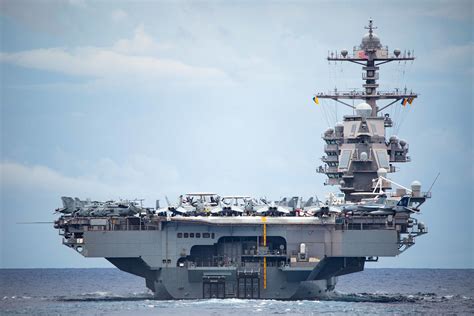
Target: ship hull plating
point(181, 283)
point(260, 258)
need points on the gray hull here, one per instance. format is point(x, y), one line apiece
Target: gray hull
point(245, 257)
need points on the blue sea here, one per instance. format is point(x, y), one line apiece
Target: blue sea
point(112, 292)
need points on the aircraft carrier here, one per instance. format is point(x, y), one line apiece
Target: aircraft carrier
point(211, 246)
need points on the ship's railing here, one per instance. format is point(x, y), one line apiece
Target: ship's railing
point(326, 169)
point(122, 226)
point(368, 223)
point(427, 194)
point(357, 94)
point(330, 158)
point(134, 227)
point(332, 136)
point(108, 223)
point(331, 147)
point(210, 264)
point(243, 262)
point(263, 252)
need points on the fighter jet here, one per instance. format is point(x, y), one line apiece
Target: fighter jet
point(382, 205)
point(75, 206)
point(68, 205)
point(294, 204)
point(312, 206)
point(272, 209)
point(173, 209)
point(230, 206)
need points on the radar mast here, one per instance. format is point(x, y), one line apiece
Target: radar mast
point(357, 151)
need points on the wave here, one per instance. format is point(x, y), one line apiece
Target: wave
point(105, 297)
point(101, 296)
point(391, 297)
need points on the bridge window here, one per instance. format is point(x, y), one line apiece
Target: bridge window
point(198, 235)
point(180, 235)
point(191, 235)
point(186, 235)
point(206, 235)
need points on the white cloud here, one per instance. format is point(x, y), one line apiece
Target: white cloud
point(139, 177)
point(449, 58)
point(96, 62)
point(141, 43)
point(15, 176)
point(119, 15)
point(118, 61)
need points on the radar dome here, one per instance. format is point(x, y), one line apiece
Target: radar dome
point(329, 131)
point(382, 172)
point(363, 109)
point(416, 185)
point(369, 41)
point(416, 188)
point(364, 156)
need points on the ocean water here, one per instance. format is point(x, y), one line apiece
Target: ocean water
point(112, 292)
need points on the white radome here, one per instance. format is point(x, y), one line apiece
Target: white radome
point(382, 172)
point(363, 109)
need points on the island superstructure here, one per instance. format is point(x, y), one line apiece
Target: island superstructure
point(211, 246)
point(357, 148)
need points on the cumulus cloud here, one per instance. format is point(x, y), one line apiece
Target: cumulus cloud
point(119, 61)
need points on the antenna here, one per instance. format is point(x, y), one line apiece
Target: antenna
point(371, 28)
point(370, 54)
point(431, 187)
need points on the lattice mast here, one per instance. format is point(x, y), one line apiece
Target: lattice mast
point(356, 150)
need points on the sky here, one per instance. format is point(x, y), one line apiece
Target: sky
point(122, 99)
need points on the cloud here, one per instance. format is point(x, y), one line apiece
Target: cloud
point(119, 15)
point(119, 61)
point(95, 62)
point(139, 177)
point(449, 58)
point(15, 176)
point(141, 43)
